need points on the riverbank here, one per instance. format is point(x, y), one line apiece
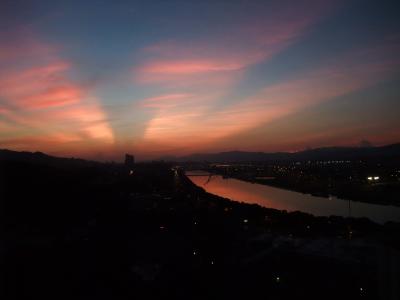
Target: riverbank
point(381, 194)
point(283, 199)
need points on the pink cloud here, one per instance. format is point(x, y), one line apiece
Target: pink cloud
point(189, 72)
point(3, 110)
point(208, 69)
point(38, 86)
point(42, 106)
point(206, 60)
point(190, 67)
point(165, 101)
point(197, 125)
point(53, 97)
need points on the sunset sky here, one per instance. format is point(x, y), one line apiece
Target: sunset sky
point(96, 79)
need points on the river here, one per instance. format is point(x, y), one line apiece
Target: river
point(273, 197)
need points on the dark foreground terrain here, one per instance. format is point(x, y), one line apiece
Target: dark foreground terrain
point(74, 229)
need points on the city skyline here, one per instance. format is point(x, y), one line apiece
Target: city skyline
point(99, 79)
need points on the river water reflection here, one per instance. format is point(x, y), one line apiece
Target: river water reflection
point(272, 197)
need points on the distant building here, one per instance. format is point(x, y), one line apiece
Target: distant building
point(129, 160)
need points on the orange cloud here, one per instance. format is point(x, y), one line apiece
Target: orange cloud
point(43, 108)
point(197, 124)
point(208, 69)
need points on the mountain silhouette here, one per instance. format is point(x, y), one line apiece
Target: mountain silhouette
point(329, 153)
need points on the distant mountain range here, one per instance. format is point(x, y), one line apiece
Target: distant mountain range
point(387, 153)
point(330, 153)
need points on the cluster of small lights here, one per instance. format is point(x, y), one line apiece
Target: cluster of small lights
point(372, 178)
point(362, 291)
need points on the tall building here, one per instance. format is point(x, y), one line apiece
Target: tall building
point(129, 160)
